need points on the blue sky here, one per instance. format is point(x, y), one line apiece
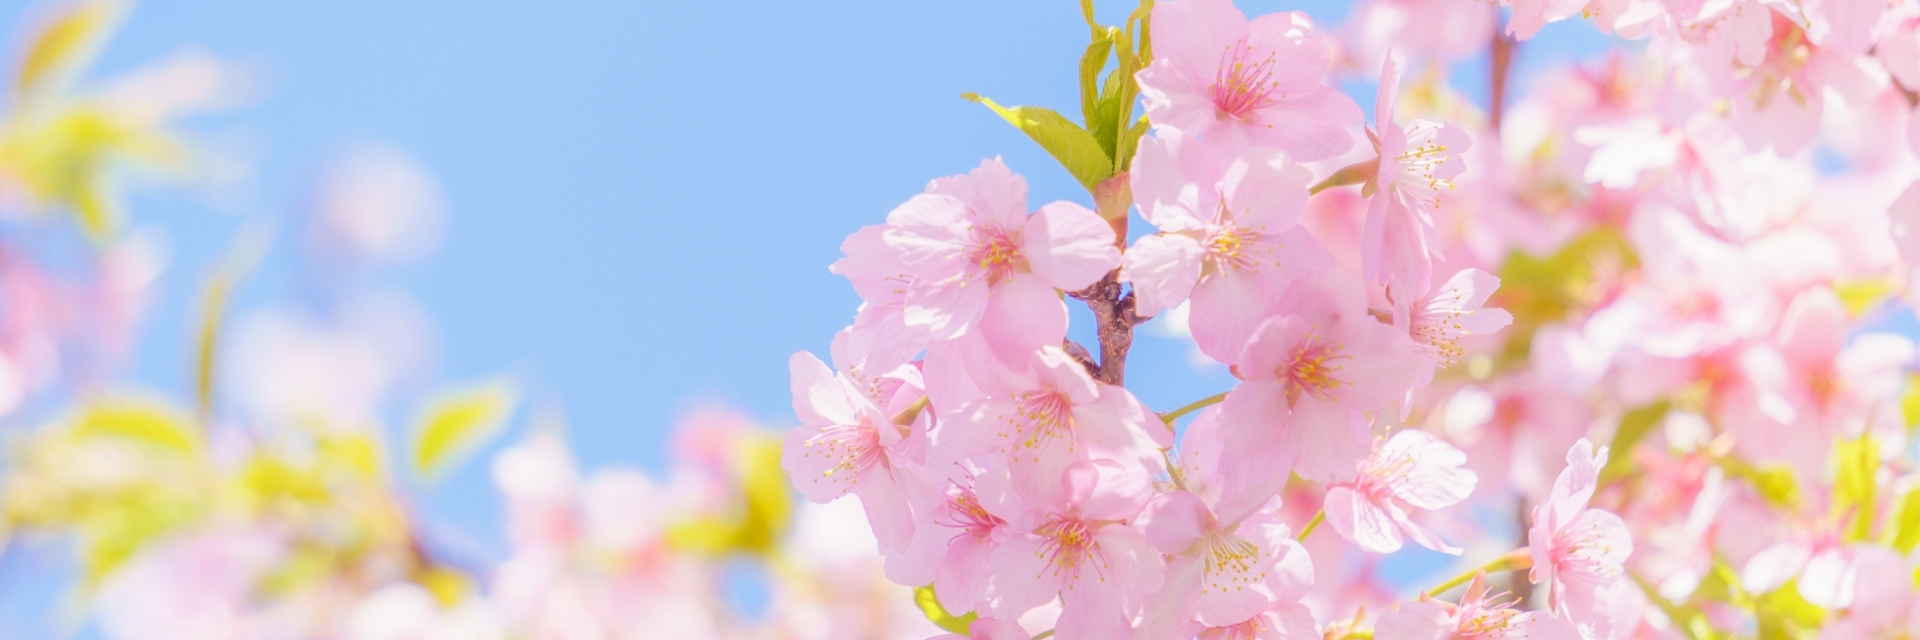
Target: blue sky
point(644, 196)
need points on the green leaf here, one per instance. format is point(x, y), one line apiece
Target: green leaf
point(1130, 142)
point(66, 42)
point(930, 605)
point(1784, 615)
point(752, 520)
point(1634, 427)
point(1903, 529)
point(1071, 145)
point(147, 422)
point(1775, 483)
point(1091, 63)
point(1858, 462)
point(1861, 295)
point(456, 423)
point(1910, 402)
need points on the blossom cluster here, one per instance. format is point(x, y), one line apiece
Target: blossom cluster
point(1683, 254)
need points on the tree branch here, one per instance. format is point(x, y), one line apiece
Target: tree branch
point(1114, 318)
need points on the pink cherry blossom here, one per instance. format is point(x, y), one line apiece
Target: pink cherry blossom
point(1078, 547)
point(880, 338)
point(980, 263)
point(955, 533)
point(1581, 550)
point(1418, 164)
point(1530, 15)
point(1241, 83)
point(845, 444)
point(1227, 236)
point(1047, 417)
point(1283, 622)
point(1307, 378)
point(1222, 569)
point(1478, 616)
point(1412, 467)
point(1439, 321)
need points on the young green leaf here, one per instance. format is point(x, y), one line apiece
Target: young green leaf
point(1069, 144)
point(1903, 526)
point(1858, 462)
point(1634, 427)
point(930, 606)
point(456, 423)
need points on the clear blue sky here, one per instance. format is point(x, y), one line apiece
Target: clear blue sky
point(644, 196)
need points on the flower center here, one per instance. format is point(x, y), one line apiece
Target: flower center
point(1436, 327)
point(966, 514)
point(1379, 473)
point(1044, 415)
point(1230, 563)
point(856, 447)
point(1066, 544)
point(1420, 164)
point(1312, 370)
point(995, 254)
point(1484, 619)
point(1586, 549)
point(1242, 84)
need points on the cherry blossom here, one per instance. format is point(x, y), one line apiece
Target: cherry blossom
point(1223, 569)
point(1076, 545)
point(1411, 467)
point(845, 444)
point(1479, 616)
point(980, 263)
point(1239, 83)
point(1579, 549)
point(1418, 164)
point(1307, 378)
point(1227, 236)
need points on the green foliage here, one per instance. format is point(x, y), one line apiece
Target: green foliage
point(758, 515)
point(67, 41)
point(1544, 289)
point(146, 422)
point(1775, 483)
point(1102, 146)
point(1903, 528)
point(1784, 615)
point(930, 605)
point(1634, 427)
point(1069, 144)
point(1857, 461)
point(456, 423)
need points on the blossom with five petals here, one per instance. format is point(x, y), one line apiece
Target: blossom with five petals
point(1241, 83)
point(846, 444)
point(1227, 235)
point(1412, 467)
point(1075, 545)
point(980, 263)
point(1307, 377)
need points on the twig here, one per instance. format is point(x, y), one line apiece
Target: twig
point(1113, 315)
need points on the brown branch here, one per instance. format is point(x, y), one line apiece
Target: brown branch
point(1500, 61)
point(1114, 318)
point(1523, 586)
